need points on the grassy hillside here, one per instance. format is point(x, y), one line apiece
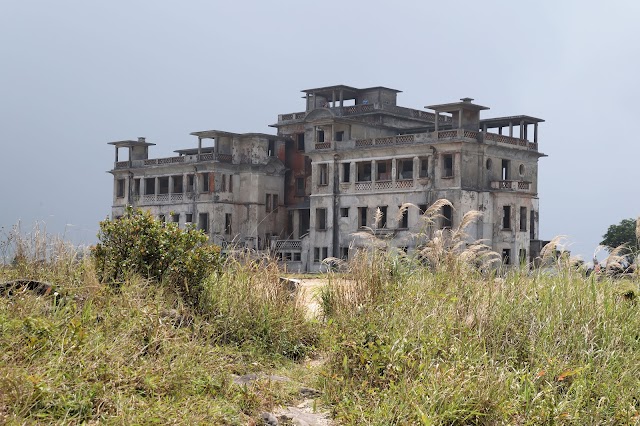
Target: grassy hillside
point(424, 340)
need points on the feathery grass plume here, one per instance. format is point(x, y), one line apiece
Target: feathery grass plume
point(403, 208)
point(377, 218)
point(549, 251)
point(433, 212)
point(615, 262)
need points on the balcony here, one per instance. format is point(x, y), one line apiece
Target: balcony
point(511, 185)
point(222, 158)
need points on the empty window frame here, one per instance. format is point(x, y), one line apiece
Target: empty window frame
point(381, 216)
point(505, 173)
point(203, 222)
point(362, 216)
point(447, 165)
point(120, 188)
point(424, 167)
point(175, 218)
point(297, 257)
point(344, 212)
point(523, 219)
point(191, 183)
point(323, 174)
point(149, 186)
point(300, 187)
point(506, 256)
point(321, 219)
point(300, 140)
point(383, 170)
point(163, 185)
point(532, 224)
point(271, 150)
point(204, 179)
point(340, 136)
point(506, 217)
point(176, 188)
point(346, 172)
point(364, 171)
point(403, 222)
point(405, 169)
point(319, 135)
point(344, 253)
point(447, 217)
point(319, 254)
point(274, 206)
point(227, 224)
point(230, 183)
point(223, 183)
point(188, 218)
point(136, 186)
point(267, 203)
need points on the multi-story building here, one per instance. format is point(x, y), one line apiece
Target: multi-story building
point(306, 191)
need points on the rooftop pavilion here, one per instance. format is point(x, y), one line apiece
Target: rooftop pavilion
point(337, 96)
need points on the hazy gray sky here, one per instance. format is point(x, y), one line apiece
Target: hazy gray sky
point(75, 75)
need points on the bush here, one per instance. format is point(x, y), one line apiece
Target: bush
point(139, 244)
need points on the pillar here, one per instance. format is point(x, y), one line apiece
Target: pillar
point(460, 118)
point(393, 171)
point(437, 119)
point(341, 98)
point(510, 129)
point(373, 172)
point(535, 132)
point(199, 147)
point(522, 130)
point(116, 154)
point(333, 98)
point(353, 173)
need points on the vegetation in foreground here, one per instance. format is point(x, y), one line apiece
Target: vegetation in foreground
point(407, 340)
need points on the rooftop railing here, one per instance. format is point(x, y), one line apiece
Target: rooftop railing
point(223, 158)
point(368, 108)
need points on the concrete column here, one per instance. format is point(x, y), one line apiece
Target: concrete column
point(341, 98)
point(510, 129)
point(373, 172)
point(535, 132)
point(499, 130)
point(353, 174)
point(416, 169)
point(522, 130)
point(526, 130)
point(315, 101)
point(484, 127)
point(394, 171)
point(333, 98)
point(460, 118)
point(437, 119)
point(199, 147)
point(307, 96)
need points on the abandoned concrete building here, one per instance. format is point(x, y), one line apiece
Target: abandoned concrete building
point(304, 192)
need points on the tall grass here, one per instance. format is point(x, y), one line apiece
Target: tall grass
point(447, 343)
point(138, 353)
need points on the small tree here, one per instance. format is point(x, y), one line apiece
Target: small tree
point(626, 232)
point(138, 243)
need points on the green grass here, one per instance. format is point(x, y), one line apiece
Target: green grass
point(427, 340)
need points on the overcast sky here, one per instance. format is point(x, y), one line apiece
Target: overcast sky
point(75, 75)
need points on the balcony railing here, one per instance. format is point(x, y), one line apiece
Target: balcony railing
point(511, 185)
point(223, 158)
point(288, 245)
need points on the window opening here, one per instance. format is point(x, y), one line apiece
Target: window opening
point(447, 166)
point(447, 217)
point(505, 170)
point(346, 172)
point(323, 172)
point(506, 217)
point(344, 212)
point(321, 219)
point(362, 216)
point(523, 218)
point(300, 141)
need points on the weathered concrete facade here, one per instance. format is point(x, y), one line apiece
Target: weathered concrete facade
point(331, 166)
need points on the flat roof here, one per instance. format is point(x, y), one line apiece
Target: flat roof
point(209, 134)
point(130, 143)
point(514, 119)
point(455, 106)
point(348, 92)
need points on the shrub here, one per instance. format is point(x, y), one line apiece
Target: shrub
point(139, 244)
